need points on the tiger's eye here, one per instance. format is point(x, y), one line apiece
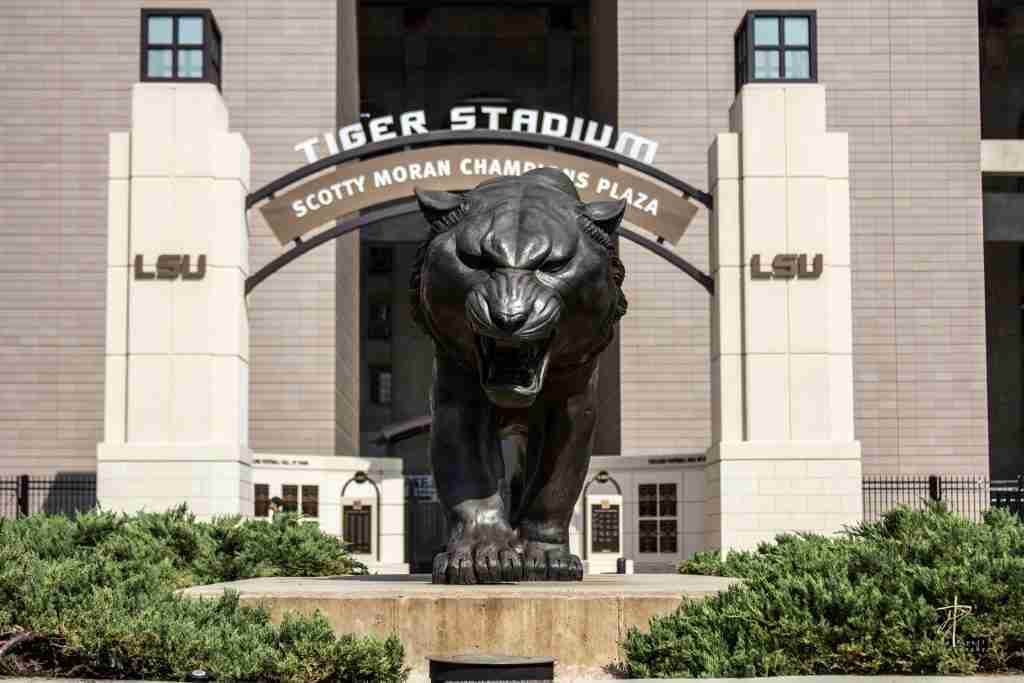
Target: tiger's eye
point(554, 266)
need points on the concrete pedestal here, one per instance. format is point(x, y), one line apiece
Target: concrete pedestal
point(579, 624)
point(605, 565)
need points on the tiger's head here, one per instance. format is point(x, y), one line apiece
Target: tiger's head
point(519, 279)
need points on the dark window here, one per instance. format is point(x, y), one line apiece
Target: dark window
point(380, 385)
point(310, 501)
point(355, 528)
point(381, 260)
point(648, 500)
point(180, 45)
point(648, 536)
point(776, 46)
point(289, 498)
point(261, 500)
point(667, 500)
point(380, 320)
point(658, 532)
point(667, 535)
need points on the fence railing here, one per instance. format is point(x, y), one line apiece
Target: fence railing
point(969, 496)
point(966, 495)
point(61, 495)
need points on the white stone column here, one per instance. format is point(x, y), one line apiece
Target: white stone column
point(783, 454)
point(177, 354)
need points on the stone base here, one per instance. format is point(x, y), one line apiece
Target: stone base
point(213, 479)
point(605, 565)
point(387, 568)
point(579, 624)
point(759, 489)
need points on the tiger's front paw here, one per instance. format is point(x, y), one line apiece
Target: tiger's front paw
point(551, 562)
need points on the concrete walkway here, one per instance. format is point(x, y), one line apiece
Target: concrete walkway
point(780, 679)
point(846, 679)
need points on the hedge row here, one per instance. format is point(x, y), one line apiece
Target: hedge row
point(94, 596)
point(880, 599)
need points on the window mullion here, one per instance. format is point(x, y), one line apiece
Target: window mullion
point(174, 46)
point(207, 54)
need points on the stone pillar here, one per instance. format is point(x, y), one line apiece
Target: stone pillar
point(783, 454)
point(177, 347)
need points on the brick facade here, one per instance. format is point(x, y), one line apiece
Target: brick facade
point(902, 79)
point(67, 76)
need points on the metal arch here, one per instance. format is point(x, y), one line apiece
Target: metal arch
point(602, 477)
point(703, 279)
point(451, 137)
point(399, 431)
point(362, 477)
point(303, 246)
point(405, 208)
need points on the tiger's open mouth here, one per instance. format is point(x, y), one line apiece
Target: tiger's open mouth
point(512, 370)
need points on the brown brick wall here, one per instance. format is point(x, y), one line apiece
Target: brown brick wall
point(902, 79)
point(66, 77)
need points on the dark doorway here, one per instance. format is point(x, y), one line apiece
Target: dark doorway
point(558, 56)
point(1001, 60)
point(1004, 323)
point(397, 357)
point(434, 56)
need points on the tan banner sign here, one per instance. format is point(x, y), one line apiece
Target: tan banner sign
point(359, 184)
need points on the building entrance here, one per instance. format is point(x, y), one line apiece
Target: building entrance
point(545, 53)
point(1004, 331)
point(396, 356)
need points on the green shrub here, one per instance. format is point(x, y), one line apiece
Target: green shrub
point(95, 596)
point(878, 599)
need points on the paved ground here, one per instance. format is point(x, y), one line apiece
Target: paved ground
point(419, 586)
point(847, 679)
point(780, 679)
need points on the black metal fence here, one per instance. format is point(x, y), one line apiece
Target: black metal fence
point(970, 496)
point(966, 495)
point(64, 494)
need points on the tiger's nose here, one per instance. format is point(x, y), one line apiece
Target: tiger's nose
point(509, 322)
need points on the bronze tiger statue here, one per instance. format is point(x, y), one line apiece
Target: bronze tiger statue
point(519, 286)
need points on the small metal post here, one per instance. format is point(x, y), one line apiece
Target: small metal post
point(1018, 502)
point(934, 487)
point(23, 495)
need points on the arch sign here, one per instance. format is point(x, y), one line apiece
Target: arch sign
point(373, 166)
point(360, 184)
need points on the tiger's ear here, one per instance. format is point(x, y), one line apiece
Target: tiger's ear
point(438, 206)
point(607, 215)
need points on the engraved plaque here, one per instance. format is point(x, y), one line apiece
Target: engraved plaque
point(604, 524)
point(356, 525)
